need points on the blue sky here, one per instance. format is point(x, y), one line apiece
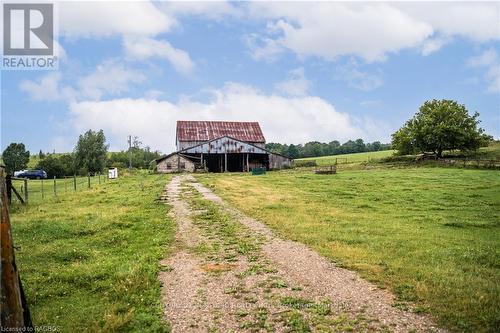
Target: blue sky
point(305, 71)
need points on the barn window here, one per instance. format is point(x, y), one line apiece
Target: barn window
point(169, 166)
point(183, 165)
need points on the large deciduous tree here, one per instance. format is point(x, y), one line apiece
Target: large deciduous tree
point(15, 157)
point(91, 151)
point(440, 125)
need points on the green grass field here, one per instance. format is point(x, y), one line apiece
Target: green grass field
point(351, 158)
point(89, 260)
point(491, 152)
point(41, 189)
point(431, 235)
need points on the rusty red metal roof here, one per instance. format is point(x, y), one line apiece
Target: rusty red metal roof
point(209, 130)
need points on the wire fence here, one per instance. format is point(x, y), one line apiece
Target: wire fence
point(37, 190)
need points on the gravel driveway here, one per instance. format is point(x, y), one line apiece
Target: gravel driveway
point(229, 273)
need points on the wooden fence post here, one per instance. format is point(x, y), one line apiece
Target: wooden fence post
point(74, 182)
point(55, 185)
point(88, 177)
point(15, 315)
point(8, 180)
point(26, 190)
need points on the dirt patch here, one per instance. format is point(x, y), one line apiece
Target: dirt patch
point(217, 268)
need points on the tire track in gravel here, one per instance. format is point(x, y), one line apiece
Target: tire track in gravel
point(230, 273)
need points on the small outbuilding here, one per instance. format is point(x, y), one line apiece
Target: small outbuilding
point(175, 162)
point(220, 146)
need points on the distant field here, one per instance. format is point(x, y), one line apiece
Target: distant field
point(89, 260)
point(431, 235)
point(351, 158)
point(491, 152)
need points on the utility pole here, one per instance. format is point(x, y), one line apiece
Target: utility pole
point(130, 152)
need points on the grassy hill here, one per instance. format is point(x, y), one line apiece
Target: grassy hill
point(351, 158)
point(492, 152)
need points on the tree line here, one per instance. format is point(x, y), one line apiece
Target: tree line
point(315, 148)
point(90, 155)
point(439, 126)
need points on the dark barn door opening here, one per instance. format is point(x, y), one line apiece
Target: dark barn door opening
point(213, 162)
point(236, 162)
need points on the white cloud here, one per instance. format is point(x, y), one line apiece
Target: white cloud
point(107, 18)
point(47, 88)
point(296, 84)
point(490, 60)
point(292, 120)
point(487, 58)
point(263, 48)
point(493, 76)
point(352, 74)
point(329, 30)
point(433, 45)
point(108, 79)
point(137, 22)
point(369, 30)
point(144, 48)
point(477, 21)
point(214, 10)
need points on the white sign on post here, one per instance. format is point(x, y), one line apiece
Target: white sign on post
point(113, 173)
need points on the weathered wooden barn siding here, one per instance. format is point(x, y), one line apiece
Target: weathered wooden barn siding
point(277, 162)
point(174, 163)
point(225, 145)
point(182, 145)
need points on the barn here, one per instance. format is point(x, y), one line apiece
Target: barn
point(220, 146)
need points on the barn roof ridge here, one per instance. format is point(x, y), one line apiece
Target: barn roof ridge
point(206, 130)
